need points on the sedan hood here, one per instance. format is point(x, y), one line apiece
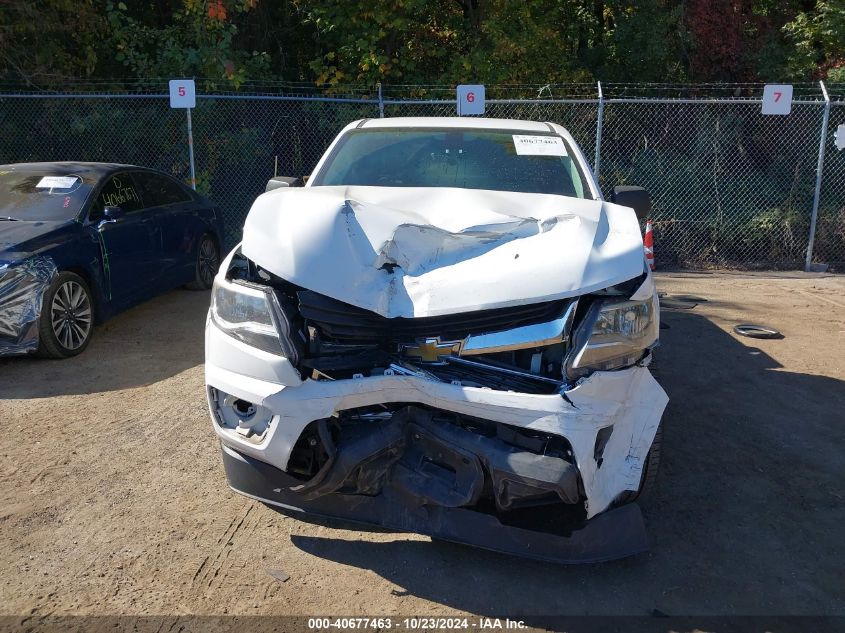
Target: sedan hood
point(17, 238)
point(416, 252)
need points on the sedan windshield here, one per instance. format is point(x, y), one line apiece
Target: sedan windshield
point(42, 196)
point(498, 160)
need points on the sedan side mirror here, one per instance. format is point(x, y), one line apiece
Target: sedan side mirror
point(635, 197)
point(277, 182)
point(113, 214)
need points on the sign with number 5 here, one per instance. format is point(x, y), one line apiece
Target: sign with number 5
point(777, 99)
point(183, 93)
point(470, 99)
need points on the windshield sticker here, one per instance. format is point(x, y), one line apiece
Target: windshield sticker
point(539, 145)
point(57, 182)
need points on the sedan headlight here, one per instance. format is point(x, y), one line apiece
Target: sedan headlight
point(613, 335)
point(251, 314)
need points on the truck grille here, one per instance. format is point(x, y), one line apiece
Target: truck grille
point(346, 323)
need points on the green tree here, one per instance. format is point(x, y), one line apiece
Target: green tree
point(819, 39)
point(495, 41)
point(48, 43)
point(51, 42)
point(384, 40)
point(644, 40)
point(190, 38)
point(535, 41)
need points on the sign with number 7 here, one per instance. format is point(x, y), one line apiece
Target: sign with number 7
point(777, 99)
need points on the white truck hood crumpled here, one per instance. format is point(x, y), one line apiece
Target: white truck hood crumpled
point(415, 252)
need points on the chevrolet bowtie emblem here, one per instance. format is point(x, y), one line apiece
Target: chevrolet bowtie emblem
point(431, 349)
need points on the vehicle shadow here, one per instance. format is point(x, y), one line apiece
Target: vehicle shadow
point(148, 343)
point(746, 519)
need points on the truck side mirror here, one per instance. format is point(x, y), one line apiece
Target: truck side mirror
point(635, 197)
point(277, 182)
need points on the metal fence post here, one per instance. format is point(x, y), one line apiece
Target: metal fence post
point(191, 150)
point(819, 168)
point(380, 102)
point(599, 121)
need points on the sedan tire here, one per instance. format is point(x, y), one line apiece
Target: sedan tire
point(67, 317)
point(208, 261)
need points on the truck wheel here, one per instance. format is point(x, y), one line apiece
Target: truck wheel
point(67, 317)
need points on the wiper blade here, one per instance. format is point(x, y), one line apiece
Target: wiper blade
point(9, 218)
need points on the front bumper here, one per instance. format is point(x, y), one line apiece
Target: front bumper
point(604, 463)
point(615, 534)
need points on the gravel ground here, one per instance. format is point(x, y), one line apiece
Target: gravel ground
point(114, 498)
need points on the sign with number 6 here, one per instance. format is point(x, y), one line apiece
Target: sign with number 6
point(470, 99)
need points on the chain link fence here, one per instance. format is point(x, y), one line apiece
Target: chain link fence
point(730, 186)
point(241, 142)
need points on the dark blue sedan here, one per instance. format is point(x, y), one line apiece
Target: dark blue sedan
point(82, 241)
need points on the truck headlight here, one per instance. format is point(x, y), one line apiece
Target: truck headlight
point(613, 335)
point(251, 314)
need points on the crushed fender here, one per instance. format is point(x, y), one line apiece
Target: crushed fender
point(22, 288)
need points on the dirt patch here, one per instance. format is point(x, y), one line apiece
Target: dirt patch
point(114, 498)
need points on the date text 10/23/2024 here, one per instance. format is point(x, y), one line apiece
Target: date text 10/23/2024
point(414, 623)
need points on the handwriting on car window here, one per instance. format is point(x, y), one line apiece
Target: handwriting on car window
point(118, 195)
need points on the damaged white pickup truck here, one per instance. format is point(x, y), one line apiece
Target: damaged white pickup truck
point(446, 330)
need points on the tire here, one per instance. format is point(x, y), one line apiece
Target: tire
point(66, 324)
point(648, 481)
point(208, 261)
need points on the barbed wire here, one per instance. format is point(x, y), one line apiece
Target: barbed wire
point(802, 91)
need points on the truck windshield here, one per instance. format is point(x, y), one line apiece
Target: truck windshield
point(498, 160)
point(42, 196)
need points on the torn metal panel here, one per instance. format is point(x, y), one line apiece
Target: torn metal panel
point(629, 399)
point(428, 456)
point(411, 252)
point(22, 288)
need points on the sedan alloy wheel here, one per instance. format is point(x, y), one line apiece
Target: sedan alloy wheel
point(70, 315)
